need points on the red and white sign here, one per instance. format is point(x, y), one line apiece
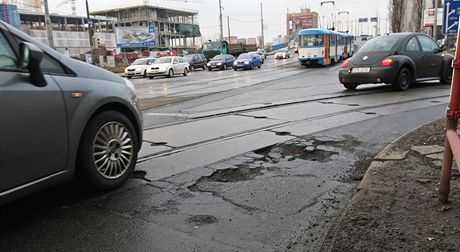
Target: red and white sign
point(428, 17)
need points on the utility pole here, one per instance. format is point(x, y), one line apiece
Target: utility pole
point(435, 27)
point(228, 24)
point(220, 19)
point(262, 42)
point(90, 33)
point(49, 28)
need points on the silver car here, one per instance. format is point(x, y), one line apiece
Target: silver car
point(61, 118)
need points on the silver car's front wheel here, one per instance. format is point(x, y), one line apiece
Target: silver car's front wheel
point(108, 150)
point(112, 150)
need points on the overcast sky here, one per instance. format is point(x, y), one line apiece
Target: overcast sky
point(244, 14)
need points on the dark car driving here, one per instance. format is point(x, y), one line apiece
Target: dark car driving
point(62, 118)
point(221, 62)
point(399, 59)
point(196, 61)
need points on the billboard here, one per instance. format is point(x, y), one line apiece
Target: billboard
point(135, 36)
point(299, 21)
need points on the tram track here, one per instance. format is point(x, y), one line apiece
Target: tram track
point(272, 128)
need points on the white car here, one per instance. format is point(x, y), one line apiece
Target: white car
point(139, 67)
point(283, 54)
point(168, 66)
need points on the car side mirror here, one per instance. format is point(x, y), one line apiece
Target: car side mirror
point(30, 58)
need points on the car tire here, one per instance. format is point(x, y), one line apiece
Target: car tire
point(403, 80)
point(151, 77)
point(252, 66)
point(108, 151)
point(260, 65)
point(170, 73)
point(447, 76)
point(145, 74)
point(224, 67)
point(129, 77)
point(236, 69)
point(350, 86)
point(185, 72)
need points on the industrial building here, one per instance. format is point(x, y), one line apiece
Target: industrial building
point(70, 32)
point(146, 26)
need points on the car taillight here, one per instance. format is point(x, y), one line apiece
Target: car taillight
point(345, 64)
point(387, 62)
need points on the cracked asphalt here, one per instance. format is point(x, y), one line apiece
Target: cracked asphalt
point(285, 196)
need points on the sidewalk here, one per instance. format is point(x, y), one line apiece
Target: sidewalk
point(395, 207)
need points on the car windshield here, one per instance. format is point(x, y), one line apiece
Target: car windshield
point(219, 57)
point(140, 62)
point(380, 44)
point(164, 60)
point(311, 40)
point(245, 56)
point(211, 46)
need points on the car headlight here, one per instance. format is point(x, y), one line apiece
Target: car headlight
point(235, 63)
point(219, 64)
point(132, 89)
point(247, 62)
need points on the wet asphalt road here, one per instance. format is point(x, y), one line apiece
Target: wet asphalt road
point(258, 160)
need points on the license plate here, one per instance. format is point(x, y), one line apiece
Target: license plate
point(361, 70)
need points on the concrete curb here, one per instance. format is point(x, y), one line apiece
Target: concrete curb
point(392, 152)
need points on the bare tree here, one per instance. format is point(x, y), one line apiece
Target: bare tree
point(396, 14)
point(405, 15)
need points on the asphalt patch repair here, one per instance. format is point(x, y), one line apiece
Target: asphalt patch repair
point(396, 206)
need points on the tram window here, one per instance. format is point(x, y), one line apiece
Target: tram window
point(312, 40)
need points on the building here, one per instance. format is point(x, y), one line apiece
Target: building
point(251, 41)
point(146, 26)
point(70, 33)
point(305, 19)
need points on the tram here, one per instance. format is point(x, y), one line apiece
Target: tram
point(324, 47)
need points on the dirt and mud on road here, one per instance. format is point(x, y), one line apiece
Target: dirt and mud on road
point(396, 207)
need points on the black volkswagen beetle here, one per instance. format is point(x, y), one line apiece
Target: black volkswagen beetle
point(399, 59)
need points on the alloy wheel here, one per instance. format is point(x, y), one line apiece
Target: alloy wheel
point(112, 150)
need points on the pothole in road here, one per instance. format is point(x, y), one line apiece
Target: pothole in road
point(353, 105)
point(260, 117)
point(294, 151)
point(435, 101)
point(370, 113)
point(232, 175)
point(159, 143)
point(283, 133)
point(199, 220)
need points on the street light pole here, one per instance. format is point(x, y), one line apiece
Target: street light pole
point(220, 20)
point(435, 27)
point(228, 24)
point(90, 33)
point(262, 42)
point(49, 28)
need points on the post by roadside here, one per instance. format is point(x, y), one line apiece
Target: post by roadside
point(452, 142)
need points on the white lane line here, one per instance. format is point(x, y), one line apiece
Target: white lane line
point(332, 69)
point(166, 114)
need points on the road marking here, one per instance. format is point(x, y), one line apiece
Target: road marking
point(332, 69)
point(167, 114)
